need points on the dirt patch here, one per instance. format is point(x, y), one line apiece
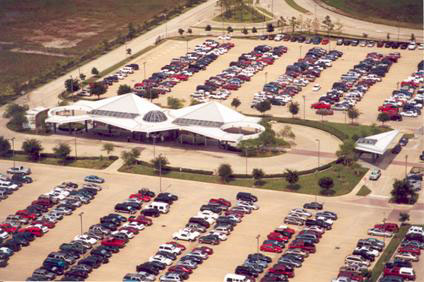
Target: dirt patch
point(18, 50)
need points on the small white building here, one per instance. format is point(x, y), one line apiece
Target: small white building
point(33, 117)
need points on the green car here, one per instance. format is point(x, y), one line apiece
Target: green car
point(375, 174)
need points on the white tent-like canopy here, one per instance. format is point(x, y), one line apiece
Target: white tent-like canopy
point(376, 144)
point(135, 114)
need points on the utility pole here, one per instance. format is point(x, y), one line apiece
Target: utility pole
point(75, 144)
point(80, 215)
point(160, 174)
point(13, 150)
point(406, 165)
point(304, 107)
point(144, 70)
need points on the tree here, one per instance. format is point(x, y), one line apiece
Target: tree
point(94, 71)
point(346, 152)
point(16, 115)
point(403, 193)
point(403, 217)
point(383, 117)
point(254, 30)
point(160, 162)
point(294, 108)
point(328, 25)
point(106, 45)
point(4, 146)
point(412, 37)
point(130, 157)
point(82, 76)
point(124, 89)
point(291, 176)
point(293, 22)
point(225, 172)
point(258, 174)
point(129, 51)
point(388, 36)
point(353, 113)
point(208, 28)
point(181, 31)
point(338, 27)
point(131, 31)
point(230, 29)
point(175, 103)
point(326, 183)
point(62, 151)
point(108, 148)
point(72, 85)
point(307, 25)
point(32, 147)
point(245, 31)
point(270, 27)
point(282, 23)
point(98, 88)
point(194, 102)
point(263, 106)
point(287, 132)
point(235, 103)
point(189, 31)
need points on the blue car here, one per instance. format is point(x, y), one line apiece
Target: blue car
point(93, 178)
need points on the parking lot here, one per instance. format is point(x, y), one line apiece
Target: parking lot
point(322, 266)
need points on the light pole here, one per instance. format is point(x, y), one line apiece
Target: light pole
point(319, 143)
point(406, 165)
point(80, 215)
point(160, 173)
point(300, 51)
point(245, 155)
point(304, 107)
point(257, 242)
point(13, 150)
point(144, 70)
point(187, 46)
point(75, 144)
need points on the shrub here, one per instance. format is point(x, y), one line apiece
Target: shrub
point(32, 147)
point(225, 172)
point(326, 183)
point(62, 151)
point(4, 146)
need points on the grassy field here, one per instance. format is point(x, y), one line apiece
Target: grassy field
point(345, 179)
point(295, 6)
point(364, 191)
point(65, 27)
point(408, 12)
point(246, 14)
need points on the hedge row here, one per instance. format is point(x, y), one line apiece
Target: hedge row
point(178, 169)
point(52, 155)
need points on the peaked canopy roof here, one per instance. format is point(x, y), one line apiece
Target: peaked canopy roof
point(376, 144)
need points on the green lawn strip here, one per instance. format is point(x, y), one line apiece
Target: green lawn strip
point(94, 163)
point(295, 6)
point(364, 191)
point(344, 178)
point(388, 253)
point(265, 11)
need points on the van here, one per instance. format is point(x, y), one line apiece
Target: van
point(235, 278)
point(160, 206)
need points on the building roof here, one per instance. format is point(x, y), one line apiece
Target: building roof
point(376, 144)
point(136, 114)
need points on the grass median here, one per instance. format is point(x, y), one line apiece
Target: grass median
point(345, 179)
point(295, 6)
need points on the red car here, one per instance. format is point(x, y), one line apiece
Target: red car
point(8, 228)
point(43, 202)
point(113, 242)
point(26, 214)
point(391, 227)
point(410, 249)
point(220, 201)
point(271, 248)
point(204, 249)
point(321, 105)
point(277, 236)
point(396, 271)
point(141, 219)
point(388, 108)
point(34, 230)
point(181, 77)
point(354, 276)
point(302, 246)
point(130, 229)
point(325, 41)
point(47, 223)
point(141, 197)
point(289, 230)
point(239, 214)
point(179, 268)
point(231, 87)
point(178, 245)
point(280, 269)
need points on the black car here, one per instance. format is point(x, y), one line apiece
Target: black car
point(396, 149)
point(147, 267)
point(101, 252)
point(313, 206)
point(125, 208)
point(44, 272)
point(275, 277)
point(83, 267)
point(92, 261)
point(196, 259)
point(167, 255)
point(147, 192)
point(200, 221)
point(109, 225)
point(398, 263)
point(12, 244)
point(209, 239)
point(403, 141)
point(364, 254)
point(24, 242)
point(244, 196)
point(422, 156)
point(212, 208)
point(111, 249)
point(245, 270)
point(259, 256)
point(150, 212)
point(77, 272)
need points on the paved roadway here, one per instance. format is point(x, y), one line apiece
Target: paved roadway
point(350, 25)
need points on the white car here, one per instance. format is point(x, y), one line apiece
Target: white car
point(325, 219)
point(161, 259)
point(199, 254)
point(135, 225)
point(379, 232)
point(63, 210)
point(129, 234)
point(375, 253)
point(210, 220)
point(247, 205)
point(409, 114)
point(209, 213)
point(92, 185)
point(407, 256)
point(186, 235)
point(357, 260)
point(315, 228)
point(43, 228)
point(85, 238)
point(316, 87)
point(302, 211)
point(220, 235)
point(3, 235)
point(297, 215)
